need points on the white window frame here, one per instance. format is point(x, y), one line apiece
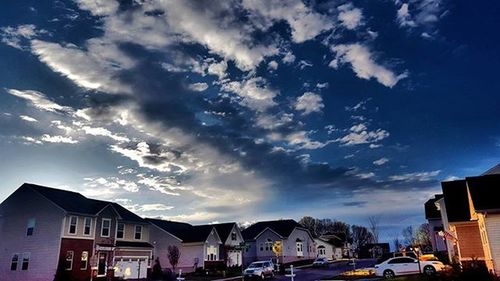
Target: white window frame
point(85, 226)
point(269, 245)
point(76, 225)
point(86, 261)
point(109, 227)
point(300, 249)
point(31, 224)
point(123, 231)
point(135, 232)
point(26, 258)
point(16, 262)
point(72, 259)
point(212, 253)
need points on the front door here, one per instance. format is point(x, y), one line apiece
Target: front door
point(101, 266)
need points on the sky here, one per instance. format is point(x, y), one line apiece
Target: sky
point(247, 110)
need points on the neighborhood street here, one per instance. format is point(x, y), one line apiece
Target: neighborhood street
point(312, 274)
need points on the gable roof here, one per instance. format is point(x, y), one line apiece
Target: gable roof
point(431, 211)
point(493, 171)
point(74, 202)
point(282, 227)
point(485, 191)
point(456, 200)
point(184, 231)
point(224, 230)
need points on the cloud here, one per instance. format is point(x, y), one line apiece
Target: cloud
point(305, 23)
point(27, 118)
point(359, 134)
point(308, 103)
point(419, 176)
point(365, 175)
point(361, 60)
point(288, 58)
point(15, 36)
point(404, 17)
point(198, 87)
point(57, 139)
point(272, 65)
point(422, 14)
point(349, 16)
point(99, 131)
point(381, 161)
point(38, 100)
point(254, 92)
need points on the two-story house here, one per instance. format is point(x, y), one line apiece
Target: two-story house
point(198, 245)
point(232, 242)
point(433, 217)
point(56, 232)
point(296, 241)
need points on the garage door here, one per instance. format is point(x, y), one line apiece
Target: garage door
point(131, 268)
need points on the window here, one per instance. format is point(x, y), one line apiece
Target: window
point(26, 261)
point(269, 245)
point(321, 250)
point(402, 260)
point(212, 253)
point(138, 232)
point(233, 236)
point(72, 224)
point(120, 230)
point(261, 247)
point(300, 249)
point(15, 260)
point(106, 225)
point(84, 260)
point(87, 226)
point(69, 260)
point(30, 227)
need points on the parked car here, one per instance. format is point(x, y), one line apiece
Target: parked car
point(405, 266)
point(320, 262)
point(260, 270)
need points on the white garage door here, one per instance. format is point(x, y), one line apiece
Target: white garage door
point(131, 268)
point(234, 258)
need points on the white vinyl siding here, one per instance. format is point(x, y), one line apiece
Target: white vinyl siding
point(30, 228)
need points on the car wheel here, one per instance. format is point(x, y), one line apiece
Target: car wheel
point(389, 274)
point(429, 270)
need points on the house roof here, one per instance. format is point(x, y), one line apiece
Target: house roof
point(485, 191)
point(282, 227)
point(431, 211)
point(493, 171)
point(224, 229)
point(184, 231)
point(74, 202)
point(456, 200)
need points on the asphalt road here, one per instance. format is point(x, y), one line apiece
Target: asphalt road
point(313, 274)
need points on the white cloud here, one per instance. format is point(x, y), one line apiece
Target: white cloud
point(349, 16)
point(270, 122)
point(381, 161)
point(99, 7)
point(305, 23)
point(365, 175)
point(309, 102)
point(255, 93)
point(99, 131)
point(404, 17)
point(302, 141)
point(419, 176)
point(28, 118)
point(288, 58)
point(359, 134)
point(322, 85)
point(38, 100)
point(13, 36)
point(363, 64)
point(272, 65)
point(31, 140)
point(57, 139)
point(165, 185)
point(420, 13)
point(218, 68)
point(198, 87)
point(94, 184)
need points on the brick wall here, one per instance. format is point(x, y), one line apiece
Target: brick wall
point(77, 246)
point(469, 241)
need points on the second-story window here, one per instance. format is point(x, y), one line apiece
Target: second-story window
point(233, 236)
point(120, 231)
point(87, 226)
point(138, 232)
point(73, 221)
point(30, 228)
point(26, 261)
point(106, 226)
point(14, 262)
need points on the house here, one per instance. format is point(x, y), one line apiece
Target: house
point(433, 217)
point(231, 250)
point(374, 250)
point(326, 249)
point(462, 229)
point(198, 245)
point(484, 197)
point(342, 247)
point(47, 231)
point(296, 241)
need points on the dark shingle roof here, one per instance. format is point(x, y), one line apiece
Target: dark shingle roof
point(74, 202)
point(224, 229)
point(485, 191)
point(456, 200)
point(283, 227)
point(431, 211)
point(493, 171)
point(184, 231)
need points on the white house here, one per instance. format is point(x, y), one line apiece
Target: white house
point(232, 242)
point(325, 249)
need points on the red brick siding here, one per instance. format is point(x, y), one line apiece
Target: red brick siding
point(469, 240)
point(77, 246)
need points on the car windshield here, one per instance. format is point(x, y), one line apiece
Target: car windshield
point(256, 265)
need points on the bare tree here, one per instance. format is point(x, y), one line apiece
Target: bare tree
point(374, 226)
point(360, 237)
point(409, 236)
point(311, 224)
point(173, 255)
point(397, 243)
point(423, 236)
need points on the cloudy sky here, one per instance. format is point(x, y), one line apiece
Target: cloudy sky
point(244, 110)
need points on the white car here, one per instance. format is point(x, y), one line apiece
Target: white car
point(405, 266)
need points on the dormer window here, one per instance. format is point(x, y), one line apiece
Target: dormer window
point(73, 221)
point(233, 236)
point(30, 228)
point(105, 227)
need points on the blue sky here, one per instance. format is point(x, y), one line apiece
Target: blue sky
point(248, 110)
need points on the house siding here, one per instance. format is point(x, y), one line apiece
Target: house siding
point(77, 246)
point(43, 245)
point(329, 249)
point(261, 241)
point(290, 246)
point(469, 241)
point(492, 223)
point(230, 250)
